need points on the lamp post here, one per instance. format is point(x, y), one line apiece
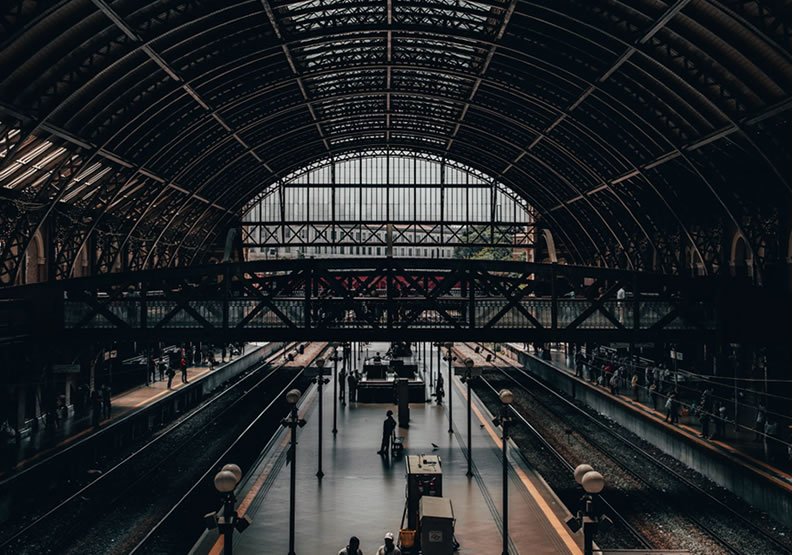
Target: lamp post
point(335, 358)
point(504, 419)
point(593, 483)
point(467, 378)
point(293, 422)
point(320, 380)
point(225, 482)
point(449, 358)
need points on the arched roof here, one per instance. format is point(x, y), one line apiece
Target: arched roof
point(635, 128)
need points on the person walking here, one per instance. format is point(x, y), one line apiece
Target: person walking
point(440, 388)
point(171, 373)
point(388, 547)
point(668, 406)
point(352, 547)
point(388, 429)
point(223, 353)
point(161, 369)
point(183, 369)
point(635, 386)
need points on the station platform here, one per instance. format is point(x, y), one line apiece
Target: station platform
point(45, 441)
point(737, 443)
point(363, 494)
point(729, 464)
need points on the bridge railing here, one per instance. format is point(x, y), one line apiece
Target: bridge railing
point(451, 312)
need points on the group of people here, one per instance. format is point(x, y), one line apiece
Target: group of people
point(661, 384)
point(353, 547)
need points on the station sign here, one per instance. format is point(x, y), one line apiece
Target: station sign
point(675, 355)
point(66, 368)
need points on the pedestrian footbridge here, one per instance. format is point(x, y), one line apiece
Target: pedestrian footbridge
point(378, 299)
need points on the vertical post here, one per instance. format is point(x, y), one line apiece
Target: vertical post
point(469, 473)
point(449, 388)
point(320, 472)
point(588, 535)
point(228, 526)
point(553, 297)
point(504, 484)
point(336, 358)
point(294, 462)
point(307, 299)
point(472, 304)
point(226, 295)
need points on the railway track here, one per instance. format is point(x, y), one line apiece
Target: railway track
point(666, 507)
point(115, 511)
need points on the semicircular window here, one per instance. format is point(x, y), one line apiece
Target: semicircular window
point(395, 203)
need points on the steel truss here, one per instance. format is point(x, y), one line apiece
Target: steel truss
point(633, 128)
point(378, 298)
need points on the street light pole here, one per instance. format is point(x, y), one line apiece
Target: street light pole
point(293, 422)
point(321, 380)
point(449, 345)
point(469, 364)
point(225, 482)
point(336, 360)
point(593, 483)
point(504, 419)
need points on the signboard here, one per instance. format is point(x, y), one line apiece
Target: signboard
point(311, 371)
point(675, 355)
point(111, 354)
point(66, 368)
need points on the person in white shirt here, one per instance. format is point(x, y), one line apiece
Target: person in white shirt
point(388, 547)
point(352, 547)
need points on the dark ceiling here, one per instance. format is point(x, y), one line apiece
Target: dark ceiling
point(646, 133)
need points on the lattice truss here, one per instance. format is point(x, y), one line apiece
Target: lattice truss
point(645, 133)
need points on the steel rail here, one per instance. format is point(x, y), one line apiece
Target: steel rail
point(145, 449)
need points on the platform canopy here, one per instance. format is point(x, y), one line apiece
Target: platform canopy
point(649, 134)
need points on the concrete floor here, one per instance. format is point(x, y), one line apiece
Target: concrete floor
point(363, 494)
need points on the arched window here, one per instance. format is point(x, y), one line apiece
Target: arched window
point(395, 201)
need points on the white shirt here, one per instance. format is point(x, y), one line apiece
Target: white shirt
point(382, 551)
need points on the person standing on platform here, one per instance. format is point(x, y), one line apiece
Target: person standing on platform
point(342, 378)
point(760, 421)
point(151, 370)
point(440, 388)
point(578, 363)
point(722, 413)
point(223, 353)
point(635, 387)
point(352, 385)
point(388, 547)
point(388, 429)
point(183, 369)
point(171, 373)
point(652, 394)
point(352, 547)
point(106, 401)
point(96, 408)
